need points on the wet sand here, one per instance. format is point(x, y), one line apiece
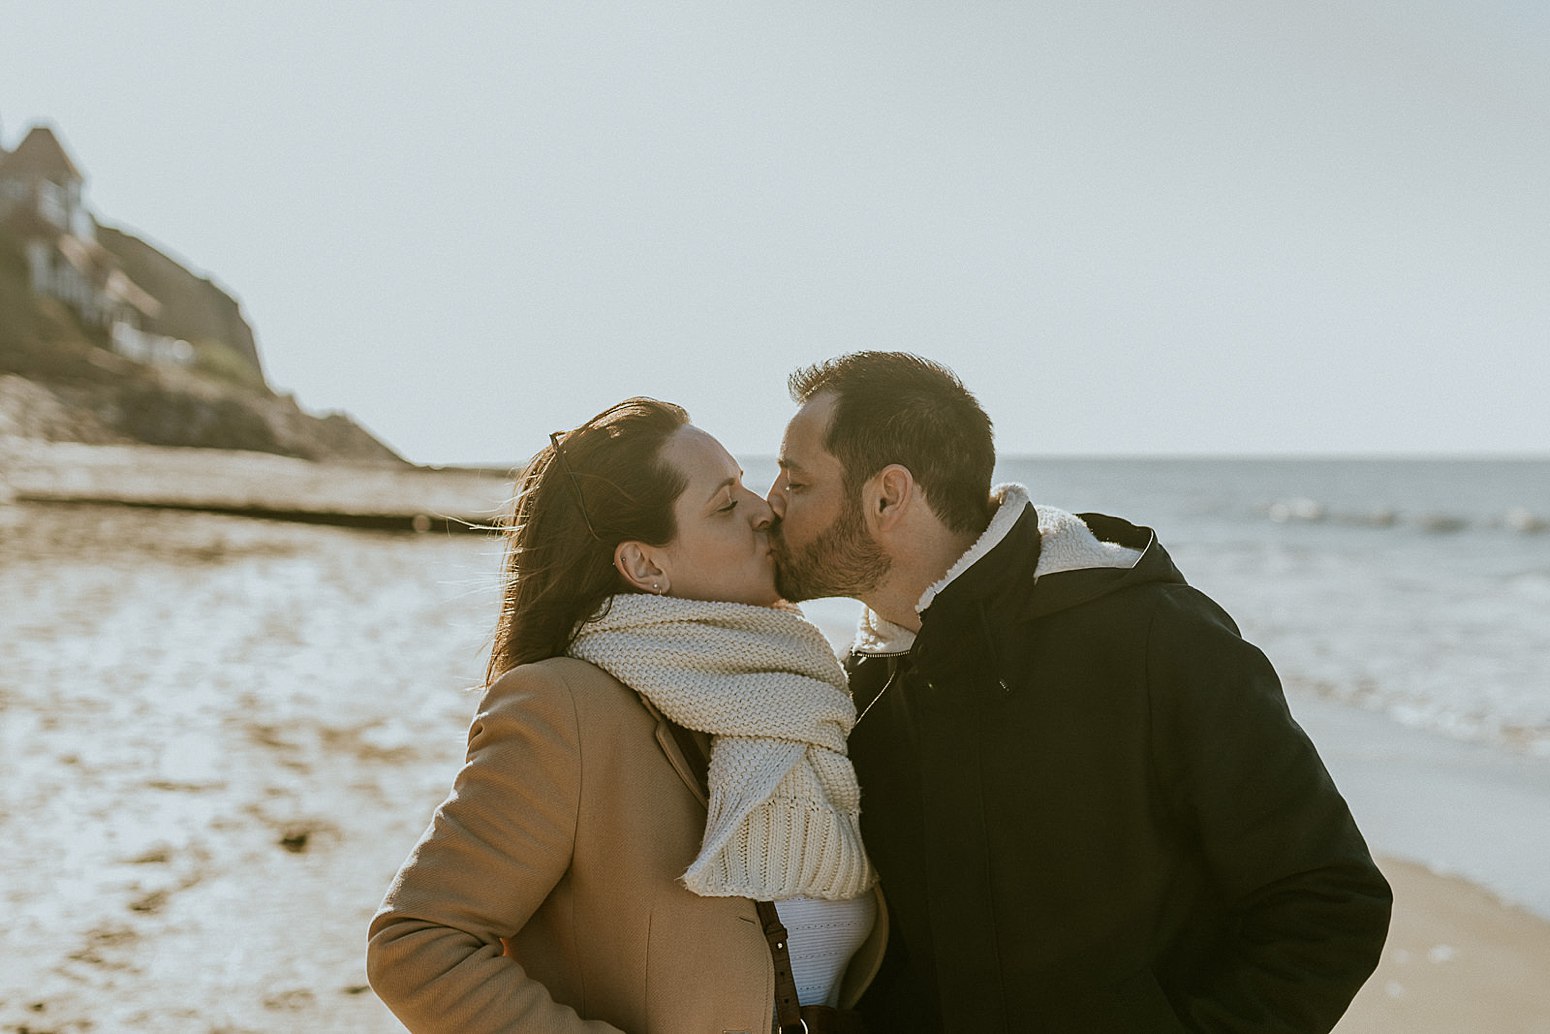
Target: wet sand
point(219, 737)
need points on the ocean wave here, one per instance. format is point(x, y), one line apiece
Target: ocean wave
point(1515, 723)
point(1302, 510)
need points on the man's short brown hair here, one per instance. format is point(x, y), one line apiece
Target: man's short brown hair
point(894, 407)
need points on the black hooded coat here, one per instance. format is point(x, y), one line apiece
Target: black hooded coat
point(1092, 812)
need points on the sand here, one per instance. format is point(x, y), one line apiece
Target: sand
point(1457, 961)
point(219, 737)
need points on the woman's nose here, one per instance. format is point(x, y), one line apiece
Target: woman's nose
point(777, 500)
point(759, 511)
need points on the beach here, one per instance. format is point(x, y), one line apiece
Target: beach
point(1446, 819)
point(219, 737)
point(1457, 961)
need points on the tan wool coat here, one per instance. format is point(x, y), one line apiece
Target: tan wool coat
point(563, 840)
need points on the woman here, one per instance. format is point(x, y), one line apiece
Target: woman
point(580, 877)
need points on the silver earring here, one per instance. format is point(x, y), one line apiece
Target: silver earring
point(656, 587)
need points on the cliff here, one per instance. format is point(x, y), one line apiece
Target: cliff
point(60, 380)
point(192, 308)
point(122, 344)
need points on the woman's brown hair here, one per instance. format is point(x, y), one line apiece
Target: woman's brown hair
point(590, 489)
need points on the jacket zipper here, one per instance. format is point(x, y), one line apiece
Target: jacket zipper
point(893, 673)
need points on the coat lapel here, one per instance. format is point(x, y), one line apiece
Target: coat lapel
point(686, 751)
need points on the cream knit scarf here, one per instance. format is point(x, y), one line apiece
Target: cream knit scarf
point(763, 682)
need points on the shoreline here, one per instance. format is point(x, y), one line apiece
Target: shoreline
point(1477, 811)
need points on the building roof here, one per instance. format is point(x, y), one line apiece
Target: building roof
point(40, 154)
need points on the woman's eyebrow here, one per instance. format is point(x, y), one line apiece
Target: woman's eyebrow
point(717, 490)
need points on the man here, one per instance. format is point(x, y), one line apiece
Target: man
point(1088, 803)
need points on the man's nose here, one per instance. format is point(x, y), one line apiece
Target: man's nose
point(777, 501)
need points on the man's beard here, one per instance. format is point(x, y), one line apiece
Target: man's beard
point(842, 561)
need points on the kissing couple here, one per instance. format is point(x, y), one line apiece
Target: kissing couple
point(1049, 788)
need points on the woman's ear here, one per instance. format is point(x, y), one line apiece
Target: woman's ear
point(640, 566)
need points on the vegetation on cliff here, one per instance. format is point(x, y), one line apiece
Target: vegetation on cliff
point(60, 380)
point(106, 339)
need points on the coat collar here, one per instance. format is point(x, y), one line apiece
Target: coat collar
point(1011, 507)
point(1071, 557)
point(686, 750)
point(877, 635)
point(1023, 539)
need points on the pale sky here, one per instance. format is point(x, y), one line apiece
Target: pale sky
point(1295, 226)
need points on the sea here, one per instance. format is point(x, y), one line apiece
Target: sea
point(1418, 588)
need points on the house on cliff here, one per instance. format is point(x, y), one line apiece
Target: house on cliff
point(42, 202)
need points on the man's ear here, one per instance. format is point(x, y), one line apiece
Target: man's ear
point(888, 496)
point(641, 566)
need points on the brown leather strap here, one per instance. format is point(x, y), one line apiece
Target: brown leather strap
point(694, 753)
point(791, 1017)
point(788, 1011)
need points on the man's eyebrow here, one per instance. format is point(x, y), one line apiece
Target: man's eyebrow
point(786, 464)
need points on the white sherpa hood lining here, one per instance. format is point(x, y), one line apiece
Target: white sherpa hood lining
point(1067, 544)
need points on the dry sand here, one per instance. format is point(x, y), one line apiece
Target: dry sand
point(1457, 961)
point(219, 737)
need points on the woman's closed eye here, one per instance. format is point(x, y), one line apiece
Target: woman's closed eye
point(728, 508)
